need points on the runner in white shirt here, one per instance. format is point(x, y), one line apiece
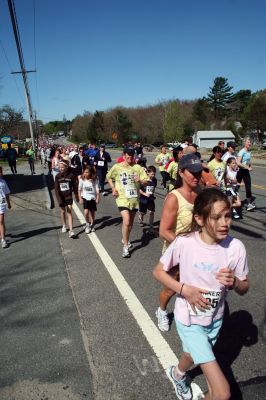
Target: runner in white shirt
point(89, 196)
point(231, 146)
point(4, 203)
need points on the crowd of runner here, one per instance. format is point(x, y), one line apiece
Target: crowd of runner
point(200, 201)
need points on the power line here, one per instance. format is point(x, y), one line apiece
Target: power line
point(11, 70)
point(35, 58)
point(23, 71)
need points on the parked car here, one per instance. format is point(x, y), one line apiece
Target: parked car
point(148, 147)
point(110, 145)
point(263, 145)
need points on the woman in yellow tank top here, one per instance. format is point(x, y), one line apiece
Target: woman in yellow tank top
point(176, 218)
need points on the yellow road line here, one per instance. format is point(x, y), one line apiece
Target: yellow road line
point(259, 186)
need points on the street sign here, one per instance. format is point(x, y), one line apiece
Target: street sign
point(6, 139)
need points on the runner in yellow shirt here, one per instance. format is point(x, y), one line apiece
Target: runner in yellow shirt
point(125, 179)
point(173, 167)
point(162, 159)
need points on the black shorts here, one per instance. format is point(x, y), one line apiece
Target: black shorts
point(89, 205)
point(144, 207)
point(126, 208)
point(66, 202)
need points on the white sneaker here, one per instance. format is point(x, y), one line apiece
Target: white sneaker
point(163, 321)
point(88, 229)
point(4, 243)
point(64, 229)
point(92, 228)
point(71, 234)
point(125, 253)
point(104, 193)
point(182, 387)
point(250, 206)
point(129, 244)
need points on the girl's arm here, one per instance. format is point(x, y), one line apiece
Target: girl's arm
point(192, 294)
point(80, 198)
point(168, 218)
point(8, 201)
point(227, 278)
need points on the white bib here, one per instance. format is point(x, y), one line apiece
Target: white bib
point(101, 163)
point(64, 186)
point(131, 193)
point(214, 297)
point(149, 189)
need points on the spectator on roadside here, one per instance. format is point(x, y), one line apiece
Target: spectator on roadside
point(11, 156)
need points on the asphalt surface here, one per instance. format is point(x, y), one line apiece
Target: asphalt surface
point(53, 285)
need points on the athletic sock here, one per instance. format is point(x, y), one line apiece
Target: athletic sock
point(178, 374)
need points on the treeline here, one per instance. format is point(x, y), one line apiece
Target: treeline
point(242, 112)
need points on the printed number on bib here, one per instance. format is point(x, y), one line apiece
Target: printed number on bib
point(131, 193)
point(214, 297)
point(101, 163)
point(2, 200)
point(149, 189)
point(88, 189)
point(64, 186)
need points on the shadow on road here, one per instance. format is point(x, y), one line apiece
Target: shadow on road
point(238, 331)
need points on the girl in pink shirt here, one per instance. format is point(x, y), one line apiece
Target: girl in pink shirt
point(211, 262)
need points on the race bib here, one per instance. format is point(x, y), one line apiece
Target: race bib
point(149, 189)
point(64, 186)
point(101, 163)
point(88, 189)
point(131, 193)
point(2, 200)
point(214, 297)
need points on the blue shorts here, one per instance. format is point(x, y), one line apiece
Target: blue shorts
point(198, 340)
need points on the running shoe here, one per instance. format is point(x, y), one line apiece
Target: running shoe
point(92, 228)
point(163, 321)
point(4, 243)
point(182, 387)
point(71, 234)
point(104, 193)
point(235, 214)
point(250, 206)
point(88, 229)
point(64, 229)
point(125, 253)
point(129, 244)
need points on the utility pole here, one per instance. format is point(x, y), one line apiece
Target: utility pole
point(23, 71)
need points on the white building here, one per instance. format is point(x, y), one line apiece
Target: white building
point(209, 139)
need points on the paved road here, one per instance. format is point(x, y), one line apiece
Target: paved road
point(110, 356)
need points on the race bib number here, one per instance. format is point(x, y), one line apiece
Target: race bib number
point(131, 193)
point(149, 189)
point(101, 163)
point(64, 186)
point(214, 297)
point(2, 200)
point(88, 189)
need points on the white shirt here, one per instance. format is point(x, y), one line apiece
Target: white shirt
point(227, 155)
point(88, 189)
point(72, 154)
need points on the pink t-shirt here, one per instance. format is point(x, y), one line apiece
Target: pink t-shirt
point(199, 263)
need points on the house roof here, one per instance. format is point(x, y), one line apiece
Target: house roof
point(215, 135)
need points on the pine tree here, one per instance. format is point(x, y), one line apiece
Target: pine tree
point(219, 97)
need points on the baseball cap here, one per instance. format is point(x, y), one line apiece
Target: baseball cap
point(231, 144)
point(190, 162)
point(129, 151)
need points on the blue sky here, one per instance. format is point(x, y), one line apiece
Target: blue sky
point(95, 55)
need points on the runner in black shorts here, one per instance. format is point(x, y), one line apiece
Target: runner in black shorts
point(146, 201)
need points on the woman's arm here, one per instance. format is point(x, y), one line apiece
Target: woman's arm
point(168, 218)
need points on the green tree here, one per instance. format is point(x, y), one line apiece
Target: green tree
point(96, 127)
point(173, 123)
point(254, 117)
point(9, 119)
point(123, 126)
point(219, 97)
point(201, 111)
point(239, 102)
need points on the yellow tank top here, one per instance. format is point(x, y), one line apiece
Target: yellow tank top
point(183, 218)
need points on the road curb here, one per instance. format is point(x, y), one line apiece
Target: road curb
point(47, 196)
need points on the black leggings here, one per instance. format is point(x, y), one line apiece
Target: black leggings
point(243, 174)
point(164, 177)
